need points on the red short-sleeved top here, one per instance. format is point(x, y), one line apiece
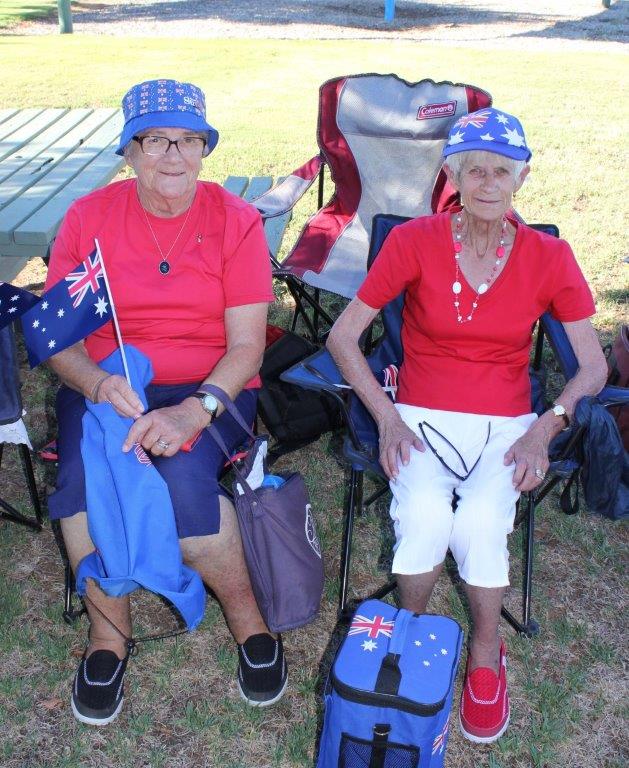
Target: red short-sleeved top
point(480, 366)
point(219, 261)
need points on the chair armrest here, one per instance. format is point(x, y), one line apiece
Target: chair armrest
point(286, 193)
point(318, 372)
point(611, 396)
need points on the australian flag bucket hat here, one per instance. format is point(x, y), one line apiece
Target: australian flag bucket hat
point(490, 130)
point(165, 104)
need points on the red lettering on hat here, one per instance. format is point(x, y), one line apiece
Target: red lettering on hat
point(429, 111)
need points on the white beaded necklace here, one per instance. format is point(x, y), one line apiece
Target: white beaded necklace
point(484, 286)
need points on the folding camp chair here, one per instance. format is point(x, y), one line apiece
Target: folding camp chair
point(360, 447)
point(12, 430)
point(381, 138)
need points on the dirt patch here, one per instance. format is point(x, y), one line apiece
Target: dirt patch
point(492, 23)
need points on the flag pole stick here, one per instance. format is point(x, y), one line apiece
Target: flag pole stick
point(113, 313)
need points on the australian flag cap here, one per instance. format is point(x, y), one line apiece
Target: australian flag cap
point(490, 130)
point(165, 104)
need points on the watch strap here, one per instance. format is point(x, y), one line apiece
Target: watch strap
point(228, 404)
point(562, 415)
point(200, 395)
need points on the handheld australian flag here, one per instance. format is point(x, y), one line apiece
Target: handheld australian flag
point(72, 309)
point(14, 302)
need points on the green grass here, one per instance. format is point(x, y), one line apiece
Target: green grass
point(262, 96)
point(13, 11)
point(183, 709)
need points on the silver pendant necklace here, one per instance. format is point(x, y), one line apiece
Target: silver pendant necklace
point(164, 266)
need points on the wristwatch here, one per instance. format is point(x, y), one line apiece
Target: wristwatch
point(208, 402)
point(560, 413)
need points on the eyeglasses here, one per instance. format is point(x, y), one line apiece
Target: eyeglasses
point(443, 463)
point(188, 146)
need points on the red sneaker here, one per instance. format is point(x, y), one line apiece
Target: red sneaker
point(484, 710)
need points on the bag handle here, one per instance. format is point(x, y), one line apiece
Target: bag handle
point(229, 406)
point(390, 675)
point(400, 628)
point(232, 409)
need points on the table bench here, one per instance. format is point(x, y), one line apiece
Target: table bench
point(50, 157)
point(248, 189)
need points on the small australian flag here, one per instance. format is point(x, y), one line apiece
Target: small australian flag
point(72, 309)
point(14, 302)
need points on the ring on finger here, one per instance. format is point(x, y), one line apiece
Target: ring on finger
point(540, 474)
point(163, 444)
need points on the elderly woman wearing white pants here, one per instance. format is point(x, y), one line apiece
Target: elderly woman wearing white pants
point(461, 444)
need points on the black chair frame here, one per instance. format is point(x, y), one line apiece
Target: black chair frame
point(7, 510)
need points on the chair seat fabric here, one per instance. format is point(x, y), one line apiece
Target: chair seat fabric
point(15, 433)
point(382, 138)
point(10, 400)
point(12, 428)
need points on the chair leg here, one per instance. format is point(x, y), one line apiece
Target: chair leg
point(9, 512)
point(355, 487)
point(354, 507)
point(27, 464)
point(527, 626)
point(70, 613)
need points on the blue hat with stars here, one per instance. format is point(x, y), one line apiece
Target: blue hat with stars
point(165, 104)
point(490, 130)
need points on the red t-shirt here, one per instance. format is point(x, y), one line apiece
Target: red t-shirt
point(220, 260)
point(480, 366)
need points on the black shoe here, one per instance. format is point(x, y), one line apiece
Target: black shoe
point(98, 690)
point(262, 672)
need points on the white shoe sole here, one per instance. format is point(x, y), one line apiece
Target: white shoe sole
point(254, 703)
point(93, 720)
point(483, 739)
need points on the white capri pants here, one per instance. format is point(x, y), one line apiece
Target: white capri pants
point(421, 508)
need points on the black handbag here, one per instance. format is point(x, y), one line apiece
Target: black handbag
point(294, 416)
point(279, 538)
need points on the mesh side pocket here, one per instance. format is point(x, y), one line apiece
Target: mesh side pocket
point(363, 753)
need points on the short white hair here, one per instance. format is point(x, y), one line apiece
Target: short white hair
point(460, 160)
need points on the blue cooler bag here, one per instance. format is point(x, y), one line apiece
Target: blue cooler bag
point(389, 693)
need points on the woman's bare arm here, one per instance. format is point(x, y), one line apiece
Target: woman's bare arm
point(395, 438)
point(530, 452)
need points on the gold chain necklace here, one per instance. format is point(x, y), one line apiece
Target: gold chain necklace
point(164, 266)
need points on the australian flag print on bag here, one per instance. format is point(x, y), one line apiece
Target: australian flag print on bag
point(389, 693)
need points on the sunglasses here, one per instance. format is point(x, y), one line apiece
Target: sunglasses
point(424, 425)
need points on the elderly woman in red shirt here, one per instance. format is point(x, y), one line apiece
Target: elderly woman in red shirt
point(475, 281)
point(189, 271)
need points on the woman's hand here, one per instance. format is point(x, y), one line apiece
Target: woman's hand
point(114, 389)
point(395, 442)
point(164, 430)
point(530, 455)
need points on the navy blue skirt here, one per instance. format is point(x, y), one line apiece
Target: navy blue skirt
point(192, 477)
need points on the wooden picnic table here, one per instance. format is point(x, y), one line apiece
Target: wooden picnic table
point(50, 157)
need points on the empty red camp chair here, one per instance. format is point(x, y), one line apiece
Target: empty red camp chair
point(381, 138)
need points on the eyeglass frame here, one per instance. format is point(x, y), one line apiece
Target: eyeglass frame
point(442, 461)
point(140, 140)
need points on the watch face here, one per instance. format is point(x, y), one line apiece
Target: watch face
point(209, 403)
point(559, 410)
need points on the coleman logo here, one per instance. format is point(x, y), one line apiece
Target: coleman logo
point(428, 111)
